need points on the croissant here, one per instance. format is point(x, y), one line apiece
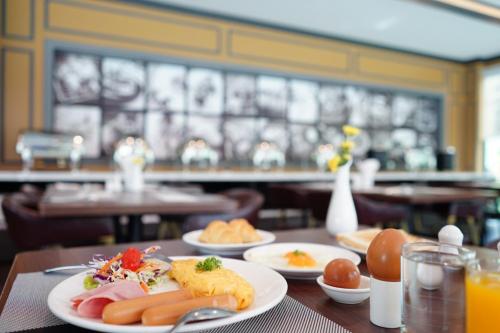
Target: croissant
point(235, 232)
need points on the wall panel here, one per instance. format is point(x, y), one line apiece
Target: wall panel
point(17, 68)
point(94, 20)
point(17, 20)
point(248, 45)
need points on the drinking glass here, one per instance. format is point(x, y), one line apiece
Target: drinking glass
point(432, 278)
point(483, 295)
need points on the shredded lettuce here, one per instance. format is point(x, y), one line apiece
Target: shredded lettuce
point(89, 283)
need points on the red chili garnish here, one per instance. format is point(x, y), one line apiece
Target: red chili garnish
point(131, 259)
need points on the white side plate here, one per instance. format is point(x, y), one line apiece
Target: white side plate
point(272, 256)
point(192, 238)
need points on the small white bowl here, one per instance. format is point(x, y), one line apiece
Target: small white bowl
point(345, 295)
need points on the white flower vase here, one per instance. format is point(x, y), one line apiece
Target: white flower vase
point(341, 215)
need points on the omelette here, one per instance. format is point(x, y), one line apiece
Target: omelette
point(219, 281)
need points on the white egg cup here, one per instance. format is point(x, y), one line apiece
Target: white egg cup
point(385, 303)
point(346, 295)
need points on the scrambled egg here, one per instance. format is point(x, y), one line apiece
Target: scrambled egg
point(300, 259)
point(220, 281)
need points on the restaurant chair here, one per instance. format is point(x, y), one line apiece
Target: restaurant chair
point(29, 230)
point(373, 213)
point(493, 245)
point(249, 205)
point(33, 194)
point(470, 213)
point(286, 196)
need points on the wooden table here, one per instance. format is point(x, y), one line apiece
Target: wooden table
point(413, 196)
point(93, 201)
point(353, 317)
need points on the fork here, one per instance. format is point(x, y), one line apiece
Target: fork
point(199, 315)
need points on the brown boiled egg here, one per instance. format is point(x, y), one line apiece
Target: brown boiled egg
point(342, 273)
point(383, 257)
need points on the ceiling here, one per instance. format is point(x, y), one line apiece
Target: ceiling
point(406, 25)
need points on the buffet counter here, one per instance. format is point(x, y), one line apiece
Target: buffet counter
point(236, 176)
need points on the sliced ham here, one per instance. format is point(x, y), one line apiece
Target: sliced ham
point(91, 303)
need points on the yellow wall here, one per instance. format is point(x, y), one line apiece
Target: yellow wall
point(138, 28)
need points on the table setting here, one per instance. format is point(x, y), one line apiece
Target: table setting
point(325, 288)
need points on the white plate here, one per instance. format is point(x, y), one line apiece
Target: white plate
point(270, 288)
point(272, 256)
point(351, 248)
point(344, 295)
point(192, 238)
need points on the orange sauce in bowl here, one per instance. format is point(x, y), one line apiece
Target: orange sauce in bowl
point(300, 259)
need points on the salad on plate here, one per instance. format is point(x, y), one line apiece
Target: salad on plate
point(133, 265)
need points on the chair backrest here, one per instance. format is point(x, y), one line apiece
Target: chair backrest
point(318, 202)
point(371, 212)
point(286, 196)
point(249, 204)
point(23, 221)
point(468, 209)
point(33, 195)
point(29, 230)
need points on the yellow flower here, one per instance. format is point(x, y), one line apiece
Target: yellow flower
point(347, 145)
point(350, 130)
point(333, 163)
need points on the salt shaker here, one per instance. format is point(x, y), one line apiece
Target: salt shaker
point(431, 276)
point(450, 234)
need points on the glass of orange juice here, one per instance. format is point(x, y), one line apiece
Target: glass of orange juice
point(482, 290)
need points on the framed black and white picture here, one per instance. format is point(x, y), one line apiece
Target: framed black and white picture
point(403, 111)
point(334, 105)
point(206, 128)
point(404, 137)
point(164, 132)
point(84, 120)
point(304, 140)
point(118, 125)
point(106, 97)
point(427, 140)
point(272, 95)
point(166, 87)
point(330, 134)
point(274, 131)
point(363, 143)
point(426, 119)
point(76, 78)
point(359, 103)
point(239, 138)
point(123, 83)
point(380, 110)
point(240, 94)
point(303, 102)
point(381, 140)
point(205, 91)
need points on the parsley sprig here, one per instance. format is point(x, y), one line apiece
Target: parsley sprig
point(298, 253)
point(209, 264)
